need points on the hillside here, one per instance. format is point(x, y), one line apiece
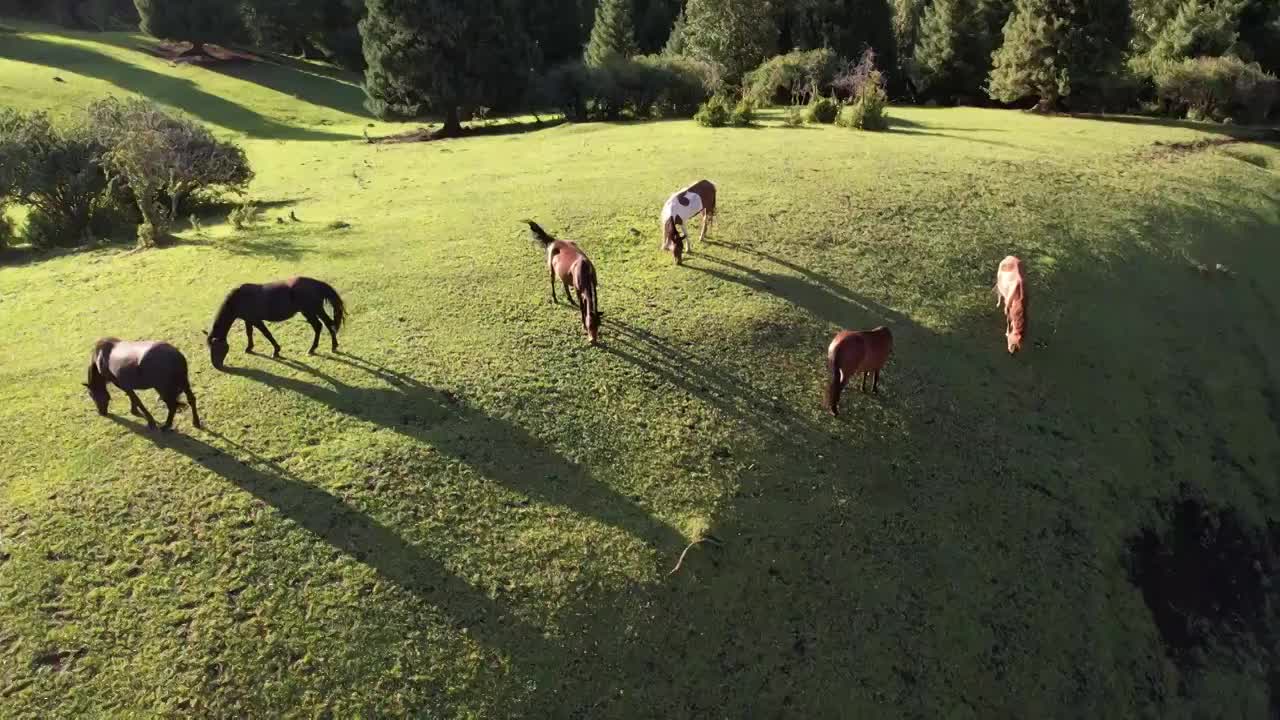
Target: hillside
point(472, 513)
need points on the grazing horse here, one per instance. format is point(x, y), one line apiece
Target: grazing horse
point(275, 302)
point(1011, 291)
point(681, 208)
point(567, 262)
point(853, 352)
point(142, 365)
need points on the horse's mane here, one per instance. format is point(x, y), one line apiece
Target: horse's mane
point(102, 345)
point(225, 316)
point(1017, 309)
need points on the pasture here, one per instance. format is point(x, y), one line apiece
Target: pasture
point(472, 513)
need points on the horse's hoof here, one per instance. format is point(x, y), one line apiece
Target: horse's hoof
point(248, 351)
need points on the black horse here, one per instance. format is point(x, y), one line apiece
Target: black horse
point(143, 365)
point(276, 302)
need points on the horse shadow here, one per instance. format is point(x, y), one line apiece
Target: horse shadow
point(493, 447)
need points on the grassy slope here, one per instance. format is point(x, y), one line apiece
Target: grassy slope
point(473, 514)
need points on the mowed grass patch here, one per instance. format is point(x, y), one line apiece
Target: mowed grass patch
point(472, 513)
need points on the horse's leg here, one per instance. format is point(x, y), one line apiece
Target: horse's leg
point(569, 295)
point(552, 272)
point(195, 414)
point(262, 328)
point(248, 331)
point(706, 220)
point(133, 397)
point(875, 384)
point(864, 381)
point(171, 401)
point(315, 326)
point(328, 324)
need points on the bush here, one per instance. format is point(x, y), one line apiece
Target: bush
point(794, 117)
point(52, 171)
point(743, 113)
point(643, 87)
point(714, 112)
point(1217, 88)
point(245, 215)
point(796, 77)
point(867, 111)
point(822, 110)
point(163, 159)
point(7, 235)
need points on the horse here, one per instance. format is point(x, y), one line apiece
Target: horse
point(698, 198)
point(567, 262)
point(141, 365)
point(1011, 292)
point(852, 352)
point(275, 302)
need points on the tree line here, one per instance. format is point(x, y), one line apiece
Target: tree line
point(450, 57)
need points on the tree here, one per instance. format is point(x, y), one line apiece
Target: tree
point(1053, 49)
point(952, 56)
point(655, 20)
point(675, 39)
point(196, 21)
point(613, 34)
point(736, 34)
point(846, 26)
point(558, 29)
point(446, 56)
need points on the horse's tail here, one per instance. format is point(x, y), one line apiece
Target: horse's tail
point(833, 382)
point(539, 234)
point(339, 308)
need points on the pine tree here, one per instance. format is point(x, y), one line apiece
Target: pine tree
point(1053, 49)
point(956, 39)
point(446, 56)
point(736, 34)
point(558, 28)
point(675, 40)
point(613, 35)
point(196, 21)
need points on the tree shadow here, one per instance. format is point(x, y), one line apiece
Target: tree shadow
point(177, 92)
point(1257, 133)
point(927, 133)
point(300, 80)
point(493, 447)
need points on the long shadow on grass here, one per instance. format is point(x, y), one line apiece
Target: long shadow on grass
point(298, 79)
point(166, 89)
point(495, 448)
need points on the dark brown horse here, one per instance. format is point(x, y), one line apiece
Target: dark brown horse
point(144, 365)
point(275, 302)
point(567, 263)
point(853, 352)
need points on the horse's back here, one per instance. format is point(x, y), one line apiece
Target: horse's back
point(861, 351)
point(562, 255)
point(143, 364)
point(706, 191)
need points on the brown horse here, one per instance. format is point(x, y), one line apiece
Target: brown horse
point(853, 352)
point(698, 198)
point(1011, 291)
point(143, 365)
point(567, 263)
point(275, 302)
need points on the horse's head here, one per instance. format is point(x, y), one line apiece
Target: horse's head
point(98, 393)
point(674, 239)
point(218, 349)
point(591, 321)
point(1014, 340)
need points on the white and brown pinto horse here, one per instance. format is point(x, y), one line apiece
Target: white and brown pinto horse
point(1011, 289)
point(567, 263)
point(680, 209)
point(854, 352)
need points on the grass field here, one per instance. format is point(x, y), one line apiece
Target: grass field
point(472, 513)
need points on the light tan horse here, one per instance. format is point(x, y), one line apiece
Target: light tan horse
point(853, 352)
point(567, 263)
point(1011, 291)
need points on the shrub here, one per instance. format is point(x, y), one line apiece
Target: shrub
point(867, 111)
point(53, 172)
point(245, 215)
point(163, 159)
point(650, 86)
point(6, 230)
point(1217, 88)
point(796, 77)
point(714, 112)
point(743, 113)
point(822, 110)
point(794, 117)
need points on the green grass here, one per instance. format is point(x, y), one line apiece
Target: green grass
point(473, 514)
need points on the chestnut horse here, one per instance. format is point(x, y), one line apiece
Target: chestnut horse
point(275, 302)
point(853, 352)
point(567, 262)
point(1011, 291)
point(698, 198)
point(143, 365)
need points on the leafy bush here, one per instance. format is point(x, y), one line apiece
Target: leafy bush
point(794, 117)
point(714, 112)
point(7, 235)
point(1217, 88)
point(650, 86)
point(822, 110)
point(743, 113)
point(867, 111)
point(163, 159)
point(53, 172)
point(796, 77)
point(245, 215)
